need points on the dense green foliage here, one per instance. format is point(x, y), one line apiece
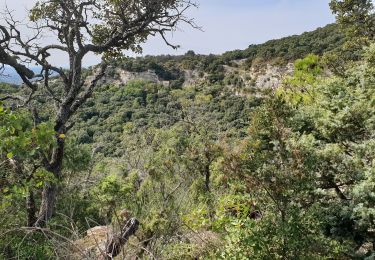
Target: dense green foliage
point(141, 105)
point(285, 173)
point(310, 161)
point(356, 17)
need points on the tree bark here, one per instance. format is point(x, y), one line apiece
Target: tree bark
point(47, 205)
point(31, 209)
point(50, 190)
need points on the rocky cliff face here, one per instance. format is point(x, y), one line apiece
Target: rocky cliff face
point(269, 77)
point(257, 78)
point(118, 76)
point(248, 80)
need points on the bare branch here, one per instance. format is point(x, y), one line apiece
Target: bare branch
point(90, 88)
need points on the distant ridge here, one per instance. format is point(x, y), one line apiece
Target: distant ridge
point(280, 51)
point(10, 76)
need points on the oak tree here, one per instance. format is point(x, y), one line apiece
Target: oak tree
point(79, 28)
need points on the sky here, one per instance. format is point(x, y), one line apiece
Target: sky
point(226, 24)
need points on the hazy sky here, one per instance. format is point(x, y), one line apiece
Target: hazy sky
point(230, 24)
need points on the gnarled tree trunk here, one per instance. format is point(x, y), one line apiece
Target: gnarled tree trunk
point(47, 205)
point(50, 190)
point(31, 209)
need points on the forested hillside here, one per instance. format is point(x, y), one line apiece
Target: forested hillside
point(239, 67)
point(225, 95)
point(263, 153)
